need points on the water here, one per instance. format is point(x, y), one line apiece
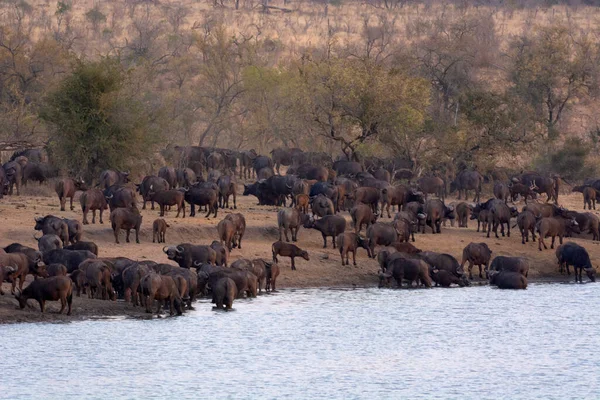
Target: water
point(477, 343)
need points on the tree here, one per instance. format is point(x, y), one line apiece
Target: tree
point(551, 69)
point(354, 101)
point(96, 120)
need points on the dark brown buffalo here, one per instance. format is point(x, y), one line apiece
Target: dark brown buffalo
point(226, 231)
point(288, 250)
point(508, 280)
point(70, 258)
point(34, 258)
point(51, 225)
point(98, 279)
point(227, 187)
point(573, 254)
point(186, 177)
point(290, 219)
point(264, 173)
point(92, 200)
point(520, 189)
point(240, 228)
point(499, 214)
point(20, 263)
point(362, 214)
point(366, 195)
point(159, 230)
point(13, 171)
point(120, 197)
point(186, 254)
point(543, 185)
point(302, 202)
point(404, 229)
point(588, 222)
point(151, 183)
point(435, 211)
point(446, 279)
point(465, 181)
point(526, 222)
point(128, 219)
point(224, 292)
point(50, 289)
point(272, 272)
point(322, 206)
point(257, 268)
point(348, 168)
point(111, 177)
point(442, 261)
point(87, 246)
point(246, 160)
point(502, 191)
point(188, 289)
point(350, 242)
point(168, 198)
point(476, 254)
point(381, 234)
point(543, 210)
point(261, 162)
point(407, 269)
point(48, 242)
point(511, 264)
point(553, 227)
point(170, 175)
point(432, 185)
point(132, 277)
point(56, 270)
point(405, 247)
point(329, 225)
point(75, 230)
point(203, 196)
point(398, 196)
point(222, 253)
point(463, 214)
point(66, 188)
point(161, 288)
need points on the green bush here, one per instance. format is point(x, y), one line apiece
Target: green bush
point(96, 121)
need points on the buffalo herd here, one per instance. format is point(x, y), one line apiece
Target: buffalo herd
point(316, 192)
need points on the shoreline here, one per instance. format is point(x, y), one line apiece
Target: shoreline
point(85, 309)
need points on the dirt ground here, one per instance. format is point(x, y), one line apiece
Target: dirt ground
point(324, 269)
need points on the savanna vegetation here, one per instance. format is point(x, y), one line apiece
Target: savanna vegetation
point(483, 83)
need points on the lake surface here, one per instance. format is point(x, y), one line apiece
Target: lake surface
point(475, 343)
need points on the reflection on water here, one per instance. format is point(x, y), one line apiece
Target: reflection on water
point(475, 342)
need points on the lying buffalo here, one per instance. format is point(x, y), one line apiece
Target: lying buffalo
point(508, 280)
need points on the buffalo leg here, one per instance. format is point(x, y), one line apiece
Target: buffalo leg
point(127, 232)
point(72, 208)
point(353, 258)
point(63, 202)
point(293, 264)
point(508, 228)
point(137, 235)
point(552, 243)
point(325, 241)
point(101, 211)
point(63, 304)
point(93, 217)
point(234, 202)
point(43, 302)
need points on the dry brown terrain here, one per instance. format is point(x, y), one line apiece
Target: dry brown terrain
point(324, 269)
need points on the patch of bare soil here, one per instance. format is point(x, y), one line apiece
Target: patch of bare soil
point(324, 269)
